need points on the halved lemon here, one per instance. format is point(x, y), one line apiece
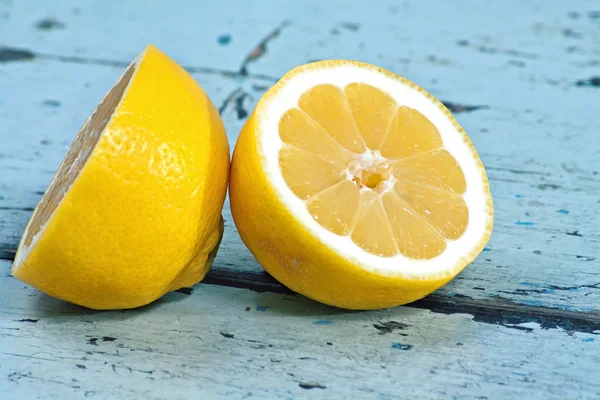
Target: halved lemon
point(357, 188)
point(134, 210)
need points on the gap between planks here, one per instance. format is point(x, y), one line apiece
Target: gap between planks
point(498, 310)
point(18, 54)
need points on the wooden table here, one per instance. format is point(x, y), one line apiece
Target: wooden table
point(522, 321)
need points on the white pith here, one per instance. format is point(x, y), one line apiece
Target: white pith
point(372, 160)
point(476, 196)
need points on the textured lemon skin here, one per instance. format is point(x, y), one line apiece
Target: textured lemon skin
point(144, 215)
point(298, 259)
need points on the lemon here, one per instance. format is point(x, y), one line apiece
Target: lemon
point(134, 210)
point(357, 188)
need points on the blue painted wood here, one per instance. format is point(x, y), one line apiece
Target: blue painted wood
point(521, 77)
point(219, 342)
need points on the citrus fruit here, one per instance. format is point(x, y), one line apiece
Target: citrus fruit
point(357, 188)
point(134, 210)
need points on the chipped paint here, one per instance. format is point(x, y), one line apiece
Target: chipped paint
point(9, 54)
point(350, 26)
point(48, 24)
point(261, 48)
point(385, 327)
point(524, 223)
point(459, 108)
point(224, 40)
point(590, 82)
point(401, 346)
point(51, 103)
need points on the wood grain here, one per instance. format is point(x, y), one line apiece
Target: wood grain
point(220, 342)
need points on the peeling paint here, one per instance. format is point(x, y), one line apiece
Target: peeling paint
point(311, 385)
point(459, 108)
point(401, 346)
point(224, 40)
point(48, 24)
point(9, 54)
point(590, 82)
point(524, 223)
point(261, 48)
point(385, 327)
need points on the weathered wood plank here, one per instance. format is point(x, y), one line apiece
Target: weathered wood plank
point(536, 133)
point(200, 33)
point(226, 342)
point(67, 351)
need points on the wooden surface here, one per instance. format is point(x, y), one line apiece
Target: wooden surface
point(523, 78)
point(233, 343)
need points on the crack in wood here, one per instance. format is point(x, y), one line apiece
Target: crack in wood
point(497, 311)
point(550, 289)
point(228, 100)
point(459, 108)
point(241, 112)
point(591, 82)
point(517, 171)
point(10, 54)
point(258, 282)
point(385, 327)
point(311, 385)
point(493, 50)
point(28, 209)
point(15, 376)
point(48, 24)
point(7, 254)
point(237, 97)
point(501, 311)
point(261, 48)
point(574, 233)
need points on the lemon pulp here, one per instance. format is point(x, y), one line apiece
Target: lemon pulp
point(371, 169)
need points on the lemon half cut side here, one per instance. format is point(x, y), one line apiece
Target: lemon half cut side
point(357, 188)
